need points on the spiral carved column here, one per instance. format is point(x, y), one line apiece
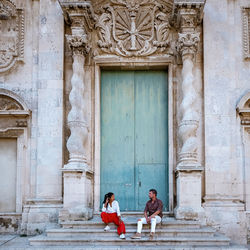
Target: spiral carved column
point(188, 169)
point(188, 126)
point(77, 173)
point(76, 143)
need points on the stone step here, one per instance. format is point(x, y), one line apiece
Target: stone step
point(130, 222)
point(165, 232)
point(136, 214)
point(217, 240)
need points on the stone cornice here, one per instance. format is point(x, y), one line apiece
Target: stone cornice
point(78, 13)
point(80, 16)
point(187, 14)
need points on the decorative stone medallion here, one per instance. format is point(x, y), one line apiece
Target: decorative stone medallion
point(134, 27)
point(11, 34)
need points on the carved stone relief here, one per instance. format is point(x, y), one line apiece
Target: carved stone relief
point(246, 32)
point(7, 103)
point(133, 27)
point(11, 34)
point(243, 108)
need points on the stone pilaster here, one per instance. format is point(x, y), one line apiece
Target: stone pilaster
point(80, 17)
point(188, 170)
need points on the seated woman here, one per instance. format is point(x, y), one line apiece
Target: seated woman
point(111, 213)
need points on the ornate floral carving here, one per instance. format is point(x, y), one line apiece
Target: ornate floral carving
point(11, 34)
point(246, 32)
point(7, 103)
point(188, 43)
point(134, 28)
point(78, 44)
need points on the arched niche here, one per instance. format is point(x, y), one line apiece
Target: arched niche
point(14, 164)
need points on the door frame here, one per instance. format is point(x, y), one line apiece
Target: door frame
point(116, 64)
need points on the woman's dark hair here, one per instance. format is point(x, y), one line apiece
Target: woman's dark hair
point(108, 195)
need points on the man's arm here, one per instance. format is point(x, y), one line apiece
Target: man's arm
point(155, 213)
point(146, 213)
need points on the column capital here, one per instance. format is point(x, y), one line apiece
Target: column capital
point(188, 43)
point(78, 44)
point(79, 15)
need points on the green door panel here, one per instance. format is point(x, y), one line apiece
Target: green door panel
point(151, 133)
point(134, 136)
point(151, 176)
point(117, 137)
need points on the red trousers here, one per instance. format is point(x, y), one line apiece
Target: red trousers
point(108, 218)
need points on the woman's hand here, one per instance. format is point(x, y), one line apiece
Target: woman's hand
point(106, 202)
point(120, 220)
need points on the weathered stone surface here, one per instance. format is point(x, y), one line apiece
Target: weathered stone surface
point(51, 57)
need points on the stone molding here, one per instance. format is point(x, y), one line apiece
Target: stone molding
point(187, 14)
point(11, 35)
point(246, 31)
point(11, 95)
point(243, 109)
point(134, 28)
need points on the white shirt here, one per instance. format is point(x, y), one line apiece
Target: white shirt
point(114, 209)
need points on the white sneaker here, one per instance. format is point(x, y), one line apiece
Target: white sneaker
point(107, 228)
point(122, 236)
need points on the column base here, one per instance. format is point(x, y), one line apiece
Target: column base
point(77, 213)
point(189, 213)
point(77, 200)
point(188, 179)
point(39, 215)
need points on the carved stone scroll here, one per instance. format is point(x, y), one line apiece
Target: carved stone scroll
point(134, 27)
point(11, 34)
point(246, 32)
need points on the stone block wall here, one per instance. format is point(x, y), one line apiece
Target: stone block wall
point(226, 80)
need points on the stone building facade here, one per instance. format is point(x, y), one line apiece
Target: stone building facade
point(53, 55)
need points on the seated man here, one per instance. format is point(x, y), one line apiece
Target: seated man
point(153, 214)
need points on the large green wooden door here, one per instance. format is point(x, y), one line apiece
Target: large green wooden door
point(134, 136)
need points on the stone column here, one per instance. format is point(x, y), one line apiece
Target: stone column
point(77, 171)
point(188, 170)
point(76, 117)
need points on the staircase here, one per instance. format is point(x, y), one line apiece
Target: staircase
point(169, 233)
